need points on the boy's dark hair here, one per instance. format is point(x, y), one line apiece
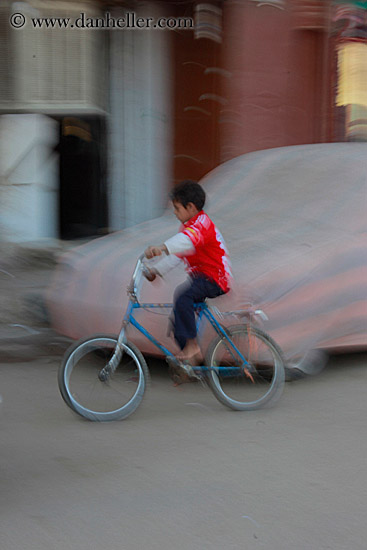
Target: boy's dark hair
point(189, 191)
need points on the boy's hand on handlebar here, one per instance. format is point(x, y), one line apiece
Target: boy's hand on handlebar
point(150, 274)
point(153, 251)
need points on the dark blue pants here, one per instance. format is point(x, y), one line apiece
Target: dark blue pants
point(195, 290)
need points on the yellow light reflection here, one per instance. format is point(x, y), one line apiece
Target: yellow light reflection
point(352, 69)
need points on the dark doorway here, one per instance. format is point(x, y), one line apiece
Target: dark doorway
point(83, 203)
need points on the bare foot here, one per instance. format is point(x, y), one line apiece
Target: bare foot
point(191, 353)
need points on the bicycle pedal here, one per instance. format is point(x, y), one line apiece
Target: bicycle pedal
point(179, 372)
point(191, 372)
point(177, 376)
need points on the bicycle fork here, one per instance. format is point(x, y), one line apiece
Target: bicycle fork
point(112, 364)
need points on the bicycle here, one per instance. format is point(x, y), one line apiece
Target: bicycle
point(104, 377)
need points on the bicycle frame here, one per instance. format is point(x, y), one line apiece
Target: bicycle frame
point(201, 309)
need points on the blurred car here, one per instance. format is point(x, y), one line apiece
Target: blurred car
point(294, 221)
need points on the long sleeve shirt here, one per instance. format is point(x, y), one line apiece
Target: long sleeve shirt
point(201, 246)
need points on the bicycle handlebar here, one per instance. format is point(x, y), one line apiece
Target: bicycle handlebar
point(133, 287)
point(138, 265)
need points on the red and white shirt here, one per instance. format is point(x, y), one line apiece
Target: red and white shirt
point(202, 247)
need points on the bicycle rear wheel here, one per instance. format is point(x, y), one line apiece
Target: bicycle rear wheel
point(227, 376)
point(114, 398)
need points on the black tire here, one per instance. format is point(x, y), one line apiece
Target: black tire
point(83, 391)
point(237, 391)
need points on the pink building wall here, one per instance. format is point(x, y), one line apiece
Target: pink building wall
point(271, 89)
point(277, 94)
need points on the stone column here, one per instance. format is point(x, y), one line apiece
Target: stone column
point(140, 121)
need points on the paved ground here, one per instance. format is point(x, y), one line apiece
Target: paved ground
point(184, 472)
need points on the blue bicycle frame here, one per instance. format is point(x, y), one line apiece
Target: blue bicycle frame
point(202, 310)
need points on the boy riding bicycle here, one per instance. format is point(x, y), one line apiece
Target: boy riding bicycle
point(201, 246)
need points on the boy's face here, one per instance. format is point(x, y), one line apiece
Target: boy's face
point(184, 213)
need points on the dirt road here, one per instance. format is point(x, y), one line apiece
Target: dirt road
point(184, 472)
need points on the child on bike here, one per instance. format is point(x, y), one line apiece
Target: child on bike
point(200, 245)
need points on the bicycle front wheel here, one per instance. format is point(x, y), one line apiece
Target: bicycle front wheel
point(99, 398)
point(228, 379)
